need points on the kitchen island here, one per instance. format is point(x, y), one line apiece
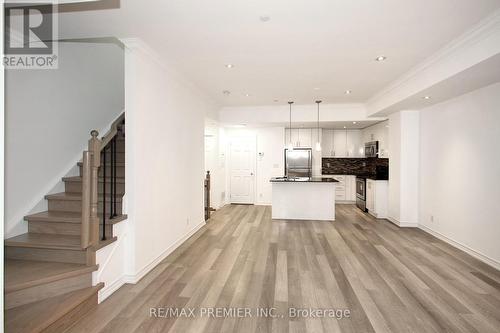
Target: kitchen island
point(303, 198)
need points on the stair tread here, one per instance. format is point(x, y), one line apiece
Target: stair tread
point(79, 179)
point(21, 274)
point(65, 196)
point(72, 196)
point(45, 241)
point(103, 243)
point(55, 216)
point(37, 316)
point(66, 217)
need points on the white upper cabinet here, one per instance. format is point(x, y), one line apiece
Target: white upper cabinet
point(342, 143)
point(327, 142)
point(301, 137)
point(339, 143)
point(304, 136)
point(293, 139)
point(334, 143)
point(354, 144)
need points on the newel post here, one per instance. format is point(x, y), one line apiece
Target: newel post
point(95, 149)
point(90, 199)
point(207, 196)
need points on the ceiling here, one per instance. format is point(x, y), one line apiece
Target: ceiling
point(283, 49)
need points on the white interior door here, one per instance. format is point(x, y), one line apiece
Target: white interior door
point(242, 170)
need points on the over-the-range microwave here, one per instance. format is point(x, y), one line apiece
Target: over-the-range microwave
point(371, 149)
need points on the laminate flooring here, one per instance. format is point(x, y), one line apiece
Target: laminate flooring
point(364, 274)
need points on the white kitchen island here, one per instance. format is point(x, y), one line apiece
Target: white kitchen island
point(311, 198)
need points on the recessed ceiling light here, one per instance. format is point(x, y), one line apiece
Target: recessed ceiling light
point(354, 122)
point(226, 92)
point(247, 95)
point(264, 18)
point(229, 65)
point(348, 92)
point(345, 126)
point(380, 58)
point(426, 97)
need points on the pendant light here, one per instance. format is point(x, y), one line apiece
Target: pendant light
point(318, 144)
point(290, 144)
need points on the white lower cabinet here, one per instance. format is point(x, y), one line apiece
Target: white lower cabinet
point(345, 189)
point(376, 197)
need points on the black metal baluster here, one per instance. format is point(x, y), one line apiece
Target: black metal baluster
point(104, 195)
point(114, 175)
point(111, 184)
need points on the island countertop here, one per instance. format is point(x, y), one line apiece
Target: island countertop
point(303, 180)
point(303, 198)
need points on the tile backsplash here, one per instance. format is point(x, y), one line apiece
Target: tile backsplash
point(351, 166)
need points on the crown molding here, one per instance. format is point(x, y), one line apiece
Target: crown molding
point(478, 38)
point(138, 45)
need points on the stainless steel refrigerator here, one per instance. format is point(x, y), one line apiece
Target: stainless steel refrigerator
point(298, 162)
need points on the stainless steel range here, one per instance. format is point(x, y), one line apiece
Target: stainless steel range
point(361, 193)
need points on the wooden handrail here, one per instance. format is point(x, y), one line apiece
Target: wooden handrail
point(90, 183)
point(112, 131)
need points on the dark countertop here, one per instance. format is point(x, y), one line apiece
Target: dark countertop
point(303, 180)
point(372, 177)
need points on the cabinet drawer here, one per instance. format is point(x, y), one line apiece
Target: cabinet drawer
point(339, 177)
point(339, 188)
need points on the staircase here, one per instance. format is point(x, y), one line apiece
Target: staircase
point(48, 270)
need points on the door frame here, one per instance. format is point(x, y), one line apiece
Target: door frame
point(232, 138)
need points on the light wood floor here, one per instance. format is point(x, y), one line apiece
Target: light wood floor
point(391, 279)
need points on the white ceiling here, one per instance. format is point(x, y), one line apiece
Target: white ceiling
point(307, 44)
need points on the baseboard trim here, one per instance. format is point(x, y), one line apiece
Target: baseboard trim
point(402, 224)
point(134, 278)
point(345, 202)
point(485, 259)
point(108, 290)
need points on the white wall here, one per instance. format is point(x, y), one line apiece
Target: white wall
point(165, 159)
point(459, 171)
point(270, 161)
point(393, 210)
point(403, 168)
point(215, 162)
point(49, 115)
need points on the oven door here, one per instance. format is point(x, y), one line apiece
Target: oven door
point(361, 188)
